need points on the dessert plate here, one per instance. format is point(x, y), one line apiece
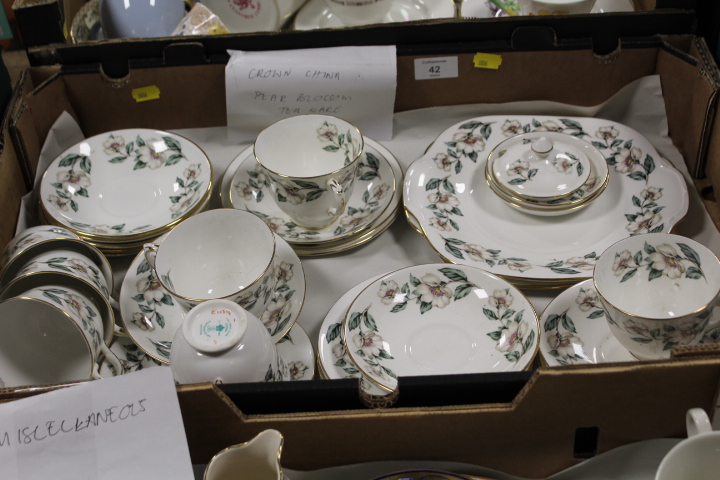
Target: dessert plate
point(375, 185)
point(425, 320)
point(126, 184)
point(294, 348)
point(334, 359)
point(468, 224)
point(151, 317)
point(317, 14)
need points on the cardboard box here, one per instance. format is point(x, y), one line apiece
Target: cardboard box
point(551, 418)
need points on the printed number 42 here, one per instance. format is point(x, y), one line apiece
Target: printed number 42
point(435, 69)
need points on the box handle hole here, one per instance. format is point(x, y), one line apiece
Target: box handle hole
point(586, 442)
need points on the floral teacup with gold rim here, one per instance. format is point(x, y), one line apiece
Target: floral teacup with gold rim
point(311, 162)
point(659, 291)
point(219, 254)
point(555, 7)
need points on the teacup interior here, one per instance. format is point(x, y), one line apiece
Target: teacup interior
point(40, 344)
point(215, 254)
point(307, 145)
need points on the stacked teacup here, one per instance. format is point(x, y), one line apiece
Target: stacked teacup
point(659, 291)
point(56, 316)
point(219, 266)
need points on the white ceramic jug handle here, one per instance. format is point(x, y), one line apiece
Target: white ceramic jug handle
point(339, 192)
point(150, 250)
point(111, 358)
point(697, 422)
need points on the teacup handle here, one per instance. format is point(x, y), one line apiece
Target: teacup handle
point(109, 357)
point(339, 192)
point(151, 250)
point(697, 422)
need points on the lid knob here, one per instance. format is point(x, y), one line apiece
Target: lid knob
point(542, 146)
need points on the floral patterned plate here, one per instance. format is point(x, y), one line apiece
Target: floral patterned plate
point(294, 348)
point(425, 320)
point(125, 185)
point(466, 223)
point(374, 188)
point(334, 359)
point(151, 317)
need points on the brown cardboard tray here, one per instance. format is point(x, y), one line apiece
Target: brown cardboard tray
point(552, 418)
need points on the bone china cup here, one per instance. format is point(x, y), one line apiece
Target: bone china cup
point(659, 291)
point(218, 254)
point(697, 457)
point(311, 162)
point(555, 7)
point(359, 12)
point(51, 334)
point(222, 343)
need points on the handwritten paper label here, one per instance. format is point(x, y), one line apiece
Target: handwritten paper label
point(356, 84)
point(116, 428)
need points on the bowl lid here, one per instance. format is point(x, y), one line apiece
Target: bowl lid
point(539, 166)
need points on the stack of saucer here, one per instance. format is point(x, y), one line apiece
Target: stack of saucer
point(117, 190)
point(370, 210)
point(423, 320)
point(547, 173)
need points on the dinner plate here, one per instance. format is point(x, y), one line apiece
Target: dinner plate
point(294, 348)
point(374, 187)
point(439, 319)
point(317, 14)
point(334, 360)
point(126, 185)
point(151, 316)
point(468, 224)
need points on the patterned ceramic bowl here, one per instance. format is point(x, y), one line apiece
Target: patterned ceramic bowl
point(659, 291)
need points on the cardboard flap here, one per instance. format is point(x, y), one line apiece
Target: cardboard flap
point(605, 406)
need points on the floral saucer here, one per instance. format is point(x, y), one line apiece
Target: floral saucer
point(125, 185)
point(294, 348)
point(151, 317)
point(333, 356)
point(425, 320)
point(373, 193)
point(466, 223)
point(316, 13)
point(484, 9)
point(574, 330)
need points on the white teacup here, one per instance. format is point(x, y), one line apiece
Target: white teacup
point(555, 7)
point(219, 254)
point(31, 241)
point(140, 18)
point(360, 12)
point(51, 334)
point(697, 457)
point(659, 291)
point(72, 263)
point(311, 162)
point(222, 343)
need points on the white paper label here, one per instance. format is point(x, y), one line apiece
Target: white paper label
point(440, 67)
point(356, 84)
point(126, 427)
